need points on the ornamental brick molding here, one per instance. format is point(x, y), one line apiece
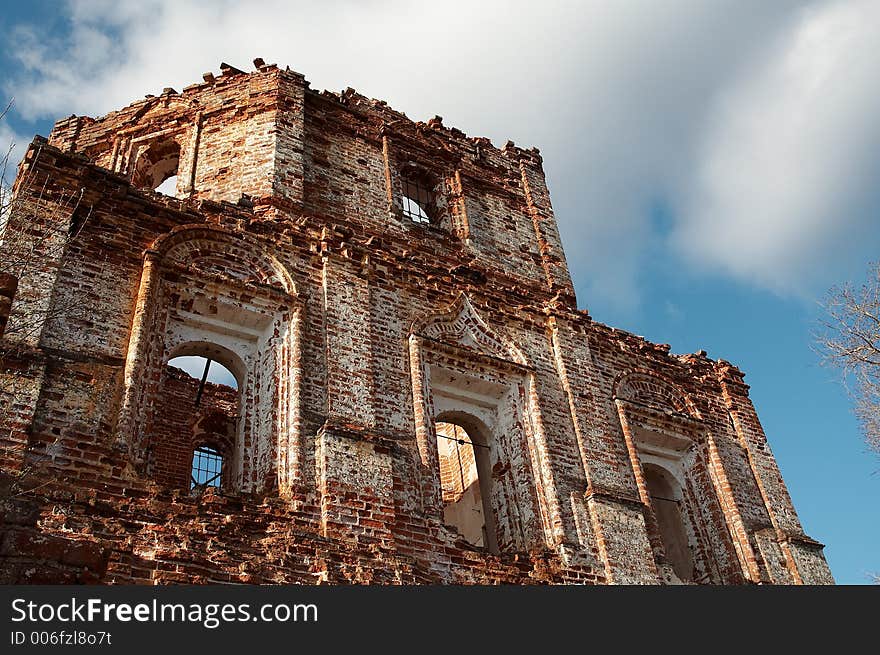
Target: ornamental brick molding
point(418, 398)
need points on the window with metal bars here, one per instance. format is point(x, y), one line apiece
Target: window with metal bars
point(418, 201)
point(207, 468)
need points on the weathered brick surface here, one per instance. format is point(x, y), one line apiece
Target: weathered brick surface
point(350, 329)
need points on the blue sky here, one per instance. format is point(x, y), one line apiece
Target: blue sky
point(713, 166)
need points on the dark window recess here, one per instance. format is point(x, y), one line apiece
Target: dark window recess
point(418, 201)
point(207, 468)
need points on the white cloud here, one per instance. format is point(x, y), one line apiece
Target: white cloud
point(632, 104)
point(786, 182)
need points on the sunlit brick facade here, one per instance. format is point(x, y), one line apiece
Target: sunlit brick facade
point(364, 277)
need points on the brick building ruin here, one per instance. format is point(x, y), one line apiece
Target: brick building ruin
point(418, 398)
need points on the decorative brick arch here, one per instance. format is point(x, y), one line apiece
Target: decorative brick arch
point(207, 285)
point(217, 251)
point(459, 365)
point(666, 435)
point(461, 325)
point(646, 388)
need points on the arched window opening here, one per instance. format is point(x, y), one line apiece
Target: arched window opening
point(199, 367)
point(156, 165)
point(223, 297)
point(195, 428)
point(207, 468)
point(465, 479)
point(666, 499)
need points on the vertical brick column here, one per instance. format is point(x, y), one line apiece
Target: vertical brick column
point(354, 468)
point(546, 230)
point(288, 174)
point(801, 555)
point(348, 334)
point(128, 425)
point(431, 494)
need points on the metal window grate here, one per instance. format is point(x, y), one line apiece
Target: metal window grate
point(416, 201)
point(206, 467)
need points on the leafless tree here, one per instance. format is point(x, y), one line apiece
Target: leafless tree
point(37, 225)
point(849, 339)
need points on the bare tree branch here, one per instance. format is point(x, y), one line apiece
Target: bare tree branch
point(849, 340)
point(37, 225)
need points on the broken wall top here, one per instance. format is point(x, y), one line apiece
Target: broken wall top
point(265, 139)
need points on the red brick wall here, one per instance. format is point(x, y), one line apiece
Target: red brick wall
point(354, 328)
